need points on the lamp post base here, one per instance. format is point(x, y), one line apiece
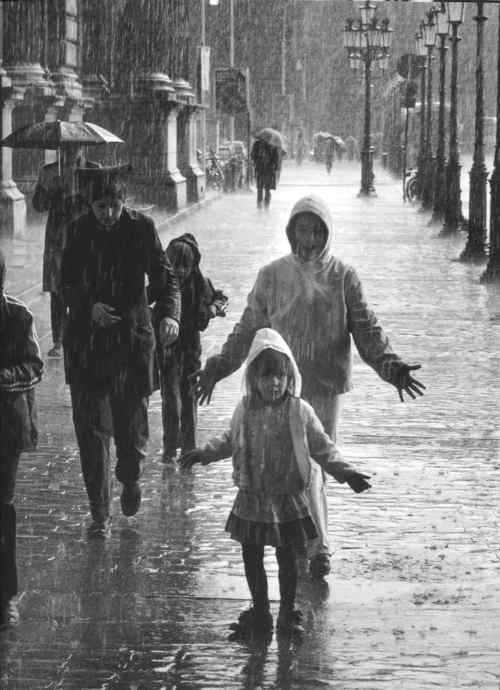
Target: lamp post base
point(475, 249)
point(492, 271)
point(367, 176)
point(453, 218)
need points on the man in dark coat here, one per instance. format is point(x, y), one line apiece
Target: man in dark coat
point(109, 342)
point(20, 370)
point(266, 161)
point(56, 192)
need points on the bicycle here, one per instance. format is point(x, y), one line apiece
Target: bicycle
point(412, 185)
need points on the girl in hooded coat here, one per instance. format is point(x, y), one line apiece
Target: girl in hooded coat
point(273, 436)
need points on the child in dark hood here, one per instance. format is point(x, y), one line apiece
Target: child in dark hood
point(20, 370)
point(273, 437)
point(200, 303)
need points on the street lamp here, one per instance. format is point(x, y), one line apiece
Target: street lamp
point(429, 38)
point(421, 51)
point(366, 41)
point(453, 218)
point(475, 249)
point(492, 272)
point(443, 31)
point(203, 41)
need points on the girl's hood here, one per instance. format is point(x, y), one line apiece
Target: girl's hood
point(190, 240)
point(269, 339)
point(315, 205)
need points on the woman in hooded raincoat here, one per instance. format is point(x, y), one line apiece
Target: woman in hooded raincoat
point(316, 303)
point(20, 370)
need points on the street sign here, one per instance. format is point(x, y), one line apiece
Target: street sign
point(230, 90)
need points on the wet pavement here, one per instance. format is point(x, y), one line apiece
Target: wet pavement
point(413, 599)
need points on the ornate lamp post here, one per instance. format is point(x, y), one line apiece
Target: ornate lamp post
point(429, 35)
point(475, 249)
point(366, 40)
point(443, 30)
point(492, 272)
point(453, 211)
point(421, 51)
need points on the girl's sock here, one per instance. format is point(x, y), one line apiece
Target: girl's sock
point(287, 574)
point(253, 559)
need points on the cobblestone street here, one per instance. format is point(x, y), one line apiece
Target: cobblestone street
point(412, 602)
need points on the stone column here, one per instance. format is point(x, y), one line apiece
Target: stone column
point(12, 202)
point(176, 188)
point(195, 177)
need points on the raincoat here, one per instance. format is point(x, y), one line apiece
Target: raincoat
point(64, 205)
point(317, 306)
point(20, 370)
point(271, 484)
point(110, 267)
point(266, 160)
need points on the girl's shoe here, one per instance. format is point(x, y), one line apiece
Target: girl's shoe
point(251, 622)
point(290, 621)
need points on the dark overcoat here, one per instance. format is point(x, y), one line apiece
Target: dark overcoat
point(111, 266)
point(20, 369)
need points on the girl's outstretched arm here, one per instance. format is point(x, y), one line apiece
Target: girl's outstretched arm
point(216, 449)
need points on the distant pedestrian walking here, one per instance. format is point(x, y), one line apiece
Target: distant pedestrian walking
point(109, 342)
point(329, 154)
point(272, 437)
point(56, 192)
point(267, 162)
point(20, 370)
point(200, 303)
point(316, 303)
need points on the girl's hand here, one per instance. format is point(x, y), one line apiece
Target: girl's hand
point(357, 482)
point(187, 460)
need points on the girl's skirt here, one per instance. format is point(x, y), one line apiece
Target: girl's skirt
point(271, 519)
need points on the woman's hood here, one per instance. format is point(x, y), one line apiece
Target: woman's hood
point(315, 205)
point(269, 339)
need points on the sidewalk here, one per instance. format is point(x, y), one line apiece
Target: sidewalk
point(413, 600)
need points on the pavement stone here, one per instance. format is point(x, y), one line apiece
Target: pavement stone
point(412, 602)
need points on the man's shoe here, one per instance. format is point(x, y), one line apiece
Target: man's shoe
point(319, 566)
point(9, 615)
point(56, 352)
point(130, 498)
point(99, 529)
point(289, 622)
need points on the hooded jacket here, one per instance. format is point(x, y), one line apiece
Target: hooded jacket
point(316, 306)
point(309, 439)
point(20, 370)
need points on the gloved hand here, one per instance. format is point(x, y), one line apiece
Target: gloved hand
point(187, 460)
point(168, 331)
point(357, 482)
point(104, 316)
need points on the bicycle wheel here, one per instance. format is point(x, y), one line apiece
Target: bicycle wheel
point(412, 189)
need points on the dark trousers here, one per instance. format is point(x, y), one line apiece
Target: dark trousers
point(8, 570)
point(260, 193)
point(179, 405)
point(253, 559)
point(97, 416)
point(57, 309)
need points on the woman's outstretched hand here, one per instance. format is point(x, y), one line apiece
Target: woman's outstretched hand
point(203, 383)
point(357, 482)
point(407, 383)
point(190, 458)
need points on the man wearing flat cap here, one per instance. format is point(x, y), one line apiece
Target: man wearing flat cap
point(109, 342)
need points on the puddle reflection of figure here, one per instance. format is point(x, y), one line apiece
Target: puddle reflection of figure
point(20, 370)
point(253, 671)
point(273, 437)
point(316, 303)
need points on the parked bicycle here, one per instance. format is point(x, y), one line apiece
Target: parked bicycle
point(412, 185)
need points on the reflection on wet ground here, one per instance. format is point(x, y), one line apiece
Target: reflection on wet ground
point(412, 602)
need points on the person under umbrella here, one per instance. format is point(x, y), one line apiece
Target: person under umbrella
point(109, 342)
point(56, 193)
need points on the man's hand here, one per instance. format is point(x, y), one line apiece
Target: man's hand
point(357, 482)
point(407, 383)
point(203, 382)
point(192, 457)
point(104, 316)
point(168, 331)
